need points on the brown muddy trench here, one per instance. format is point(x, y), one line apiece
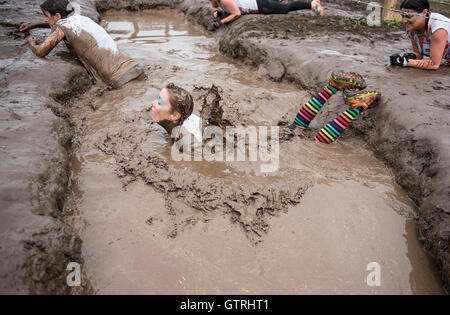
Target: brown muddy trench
point(153, 236)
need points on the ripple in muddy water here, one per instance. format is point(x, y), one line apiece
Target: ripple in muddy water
point(158, 226)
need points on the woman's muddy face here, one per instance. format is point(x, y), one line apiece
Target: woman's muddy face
point(51, 19)
point(162, 110)
point(412, 21)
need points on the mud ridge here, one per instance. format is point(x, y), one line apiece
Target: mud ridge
point(133, 5)
point(54, 247)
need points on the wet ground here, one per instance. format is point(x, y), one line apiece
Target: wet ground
point(153, 225)
point(100, 155)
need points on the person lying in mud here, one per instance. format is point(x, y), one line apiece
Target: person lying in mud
point(87, 41)
point(226, 11)
point(429, 37)
point(173, 108)
point(358, 103)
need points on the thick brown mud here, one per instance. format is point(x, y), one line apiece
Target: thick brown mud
point(225, 227)
point(98, 167)
point(37, 237)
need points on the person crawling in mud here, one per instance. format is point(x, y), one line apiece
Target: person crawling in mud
point(87, 41)
point(226, 11)
point(173, 108)
point(358, 103)
point(429, 37)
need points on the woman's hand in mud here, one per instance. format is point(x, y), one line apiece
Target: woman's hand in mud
point(33, 41)
point(216, 24)
point(24, 27)
point(27, 27)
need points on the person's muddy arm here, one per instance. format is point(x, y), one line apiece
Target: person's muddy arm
point(26, 27)
point(231, 7)
point(47, 46)
point(437, 47)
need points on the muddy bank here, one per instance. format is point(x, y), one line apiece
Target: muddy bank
point(39, 236)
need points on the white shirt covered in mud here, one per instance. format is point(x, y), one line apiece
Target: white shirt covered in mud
point(95, 48)
point(192, 125)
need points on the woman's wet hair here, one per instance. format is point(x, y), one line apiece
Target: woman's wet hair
point(181, 101)
point(416, 5)
point(62, 7)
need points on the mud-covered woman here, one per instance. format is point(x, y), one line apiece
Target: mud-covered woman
point(226, 11)
point(429, 37)
point(173, 108)
point(87, 41)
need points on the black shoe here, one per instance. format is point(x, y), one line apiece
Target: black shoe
point(292, 127)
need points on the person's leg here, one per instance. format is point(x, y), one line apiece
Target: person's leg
point(134, 73)
point(274, 7)
point(297, 5)
point(339, 81)
point(359, 103)
point(309, 111)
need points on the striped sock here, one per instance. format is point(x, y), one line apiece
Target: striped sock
point(334, 129)
point(307, 113)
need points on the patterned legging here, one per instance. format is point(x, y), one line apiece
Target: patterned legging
point(334, 129)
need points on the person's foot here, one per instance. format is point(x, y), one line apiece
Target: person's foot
point(347, 81)
point(290, 131)
point(293, 127)
point(316, 6)
point(363, 100)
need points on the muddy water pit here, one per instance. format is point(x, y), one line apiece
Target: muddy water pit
point(156, 226)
